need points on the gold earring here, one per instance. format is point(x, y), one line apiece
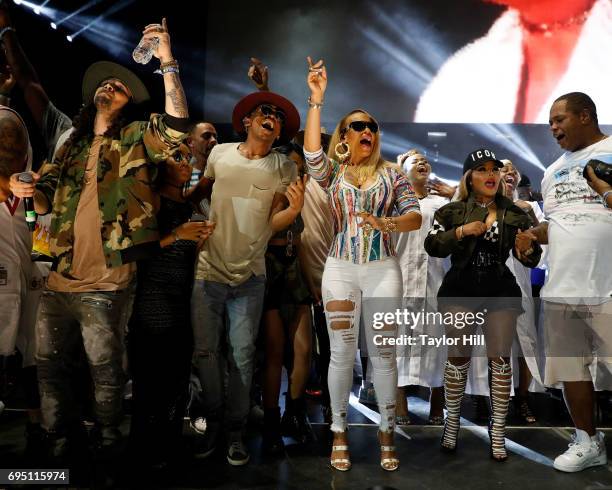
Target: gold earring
point(343, 156)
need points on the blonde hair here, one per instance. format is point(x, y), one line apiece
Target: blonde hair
point(370, 165)
point(465, 188)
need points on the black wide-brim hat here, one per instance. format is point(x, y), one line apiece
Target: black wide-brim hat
point(248, 104)
point(103, 70)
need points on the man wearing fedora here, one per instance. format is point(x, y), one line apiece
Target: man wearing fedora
point(251, 186)
point(99, 191)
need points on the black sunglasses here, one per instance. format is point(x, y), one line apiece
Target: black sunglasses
point(178, 156)
point(361, 125)
point(269, 110)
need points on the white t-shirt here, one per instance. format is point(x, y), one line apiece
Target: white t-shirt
point(579, 230)
point(240, 205)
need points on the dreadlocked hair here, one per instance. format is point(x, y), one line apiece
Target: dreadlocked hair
point(83, 122)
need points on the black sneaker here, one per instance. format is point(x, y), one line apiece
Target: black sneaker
point(237, 453)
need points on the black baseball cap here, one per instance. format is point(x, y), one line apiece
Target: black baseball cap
point(480, 156)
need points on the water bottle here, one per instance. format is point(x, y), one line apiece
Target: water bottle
point(144, 51)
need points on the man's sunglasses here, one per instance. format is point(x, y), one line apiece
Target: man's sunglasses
point(271, 111)
point(208, 134)
point(361, 125)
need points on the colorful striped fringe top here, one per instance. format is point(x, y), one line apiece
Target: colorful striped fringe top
point(391, 194)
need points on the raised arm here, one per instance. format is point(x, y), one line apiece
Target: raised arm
point(258, 73)
point(317, 83)
point(176, 102)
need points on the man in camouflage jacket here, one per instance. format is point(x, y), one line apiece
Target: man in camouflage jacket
point(107, 168)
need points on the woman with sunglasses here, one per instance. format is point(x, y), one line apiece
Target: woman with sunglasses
point(369, 199)
point(160, 337)
point(478, 230)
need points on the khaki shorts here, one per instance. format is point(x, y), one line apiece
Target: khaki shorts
point(575, 336)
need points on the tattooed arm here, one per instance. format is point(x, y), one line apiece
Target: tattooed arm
point(176, 102)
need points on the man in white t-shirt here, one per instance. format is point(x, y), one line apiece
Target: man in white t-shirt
point(578, 294)
point(252, 184)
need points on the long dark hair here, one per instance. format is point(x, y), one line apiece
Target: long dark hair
point(83, 122)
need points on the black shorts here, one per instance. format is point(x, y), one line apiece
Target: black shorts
point(285, 284)
point(493, 288)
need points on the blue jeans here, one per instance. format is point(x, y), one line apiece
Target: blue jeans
point(210, 302)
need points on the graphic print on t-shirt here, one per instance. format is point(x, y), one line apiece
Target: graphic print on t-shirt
point(571, 187)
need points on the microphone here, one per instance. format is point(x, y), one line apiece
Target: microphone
point(28, 202)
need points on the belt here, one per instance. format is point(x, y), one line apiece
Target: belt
point(482, 259)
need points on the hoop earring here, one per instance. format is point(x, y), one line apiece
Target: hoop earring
point(343, 156)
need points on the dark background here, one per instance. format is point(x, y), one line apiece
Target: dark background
point(380, 56)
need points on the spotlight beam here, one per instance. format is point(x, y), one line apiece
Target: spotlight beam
point(88, 5)
point(115, 8)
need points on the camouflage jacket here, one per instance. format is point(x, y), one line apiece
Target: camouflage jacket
point(127, 167)
point(442, 240)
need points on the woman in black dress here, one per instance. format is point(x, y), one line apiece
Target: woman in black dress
point(478, 230)
point(160, 335)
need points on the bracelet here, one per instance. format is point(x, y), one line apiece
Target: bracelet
point(169, 63)
point(605, 198)
point(314, 105)
point(5, 30)
point(175, 235)
point(169, 69)
point(389, 225)
point(461, 232)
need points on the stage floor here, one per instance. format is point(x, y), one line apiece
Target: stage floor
point(422, 465)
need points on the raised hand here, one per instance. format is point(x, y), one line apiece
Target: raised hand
point(295, 193)
point(317, 80)
point(258, 73)
point(439, 188)
point(163, 52)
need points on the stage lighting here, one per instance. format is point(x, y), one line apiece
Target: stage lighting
point(37, 11)
point(53, 25)
point(97, 20)
point(69, 38)
point(17, 2)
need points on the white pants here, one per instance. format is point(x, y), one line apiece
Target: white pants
point(372, 289)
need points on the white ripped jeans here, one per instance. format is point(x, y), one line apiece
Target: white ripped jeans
point(372, 289)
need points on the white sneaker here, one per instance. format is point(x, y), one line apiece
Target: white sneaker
point(198, 425)
point(583, 452)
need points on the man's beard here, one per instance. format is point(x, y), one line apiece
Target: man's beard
point(102, 101)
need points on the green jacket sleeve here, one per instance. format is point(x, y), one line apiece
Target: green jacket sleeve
point(441, 241)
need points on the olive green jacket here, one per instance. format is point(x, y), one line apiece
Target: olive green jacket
point(442, 239)
point(127, 167)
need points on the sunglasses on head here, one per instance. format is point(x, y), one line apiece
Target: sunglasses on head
point(361, 125)
point(271, 111)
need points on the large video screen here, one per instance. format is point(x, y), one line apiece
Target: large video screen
point(465, 67)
